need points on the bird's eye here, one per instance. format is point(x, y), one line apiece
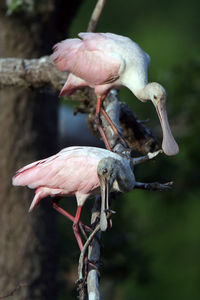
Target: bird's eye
point(105, 171)
point(155, 97)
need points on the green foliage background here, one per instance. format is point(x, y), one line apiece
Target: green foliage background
point(153, 249)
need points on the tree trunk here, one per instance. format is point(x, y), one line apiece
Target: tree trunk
point(28, 131)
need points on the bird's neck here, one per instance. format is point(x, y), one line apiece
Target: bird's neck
point(137, 85)
point(125, 180)
point(144, 93)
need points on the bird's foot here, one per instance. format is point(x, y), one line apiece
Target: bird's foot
point(90, 265)
point(154, 186)
point(94, 265)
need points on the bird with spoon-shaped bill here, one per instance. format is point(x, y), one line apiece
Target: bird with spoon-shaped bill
point(79, 171)
point(104, 61)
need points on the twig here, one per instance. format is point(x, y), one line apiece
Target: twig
point(82, 255)
point(94, 254)
point(87, 243)
point(96, 15)
point(19, 286)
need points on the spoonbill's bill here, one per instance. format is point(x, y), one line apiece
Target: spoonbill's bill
point(79, 171)
point(104, 61)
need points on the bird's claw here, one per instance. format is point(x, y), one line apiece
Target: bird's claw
point(89, 265)
point(154, 154)
point(166, 186)
point(161, 186)
point(93, 265)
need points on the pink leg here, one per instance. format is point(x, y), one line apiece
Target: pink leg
point(114, 128)
point(76, 227)
point(99, 109)
point(75, 220)
point(62, 211)
point(98, 121)
point(83, 227)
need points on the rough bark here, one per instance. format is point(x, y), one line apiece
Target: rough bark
point(31, 73)
point(28, 131)
point(25, 245)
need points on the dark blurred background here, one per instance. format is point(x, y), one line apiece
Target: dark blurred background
point(153, 248)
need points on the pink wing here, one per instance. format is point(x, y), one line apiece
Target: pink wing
point(87, 59)
point(70, 172)
point(65, 170)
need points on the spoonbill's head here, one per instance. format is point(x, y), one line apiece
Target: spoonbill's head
point(157, 94)
point(116, 175)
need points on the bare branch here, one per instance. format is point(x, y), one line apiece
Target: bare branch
point(94, 253)
point(30, 73)
point(41, 72)
point(93, 246)
point(82, 255)
point(96, 15)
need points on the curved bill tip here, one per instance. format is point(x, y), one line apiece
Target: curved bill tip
point(169, 144)
point(103, 222)
point(170, 147)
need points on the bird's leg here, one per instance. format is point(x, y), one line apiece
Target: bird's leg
point(154, 186)
point(98, 121)
point(148, 156)
point(99, 108)
point(82, 226)
point(114, 128)
point(61, 210)
point(76, 227)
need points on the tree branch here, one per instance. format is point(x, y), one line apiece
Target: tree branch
point(96, 15)
point(30, 73)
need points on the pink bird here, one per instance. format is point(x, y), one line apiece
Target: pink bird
point(104, 61)
point(79, 171)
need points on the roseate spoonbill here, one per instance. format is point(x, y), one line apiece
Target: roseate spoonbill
point(104, 61)
point(78, 171)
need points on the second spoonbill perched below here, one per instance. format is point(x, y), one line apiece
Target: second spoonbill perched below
point(79, 171)
point(104, 61)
